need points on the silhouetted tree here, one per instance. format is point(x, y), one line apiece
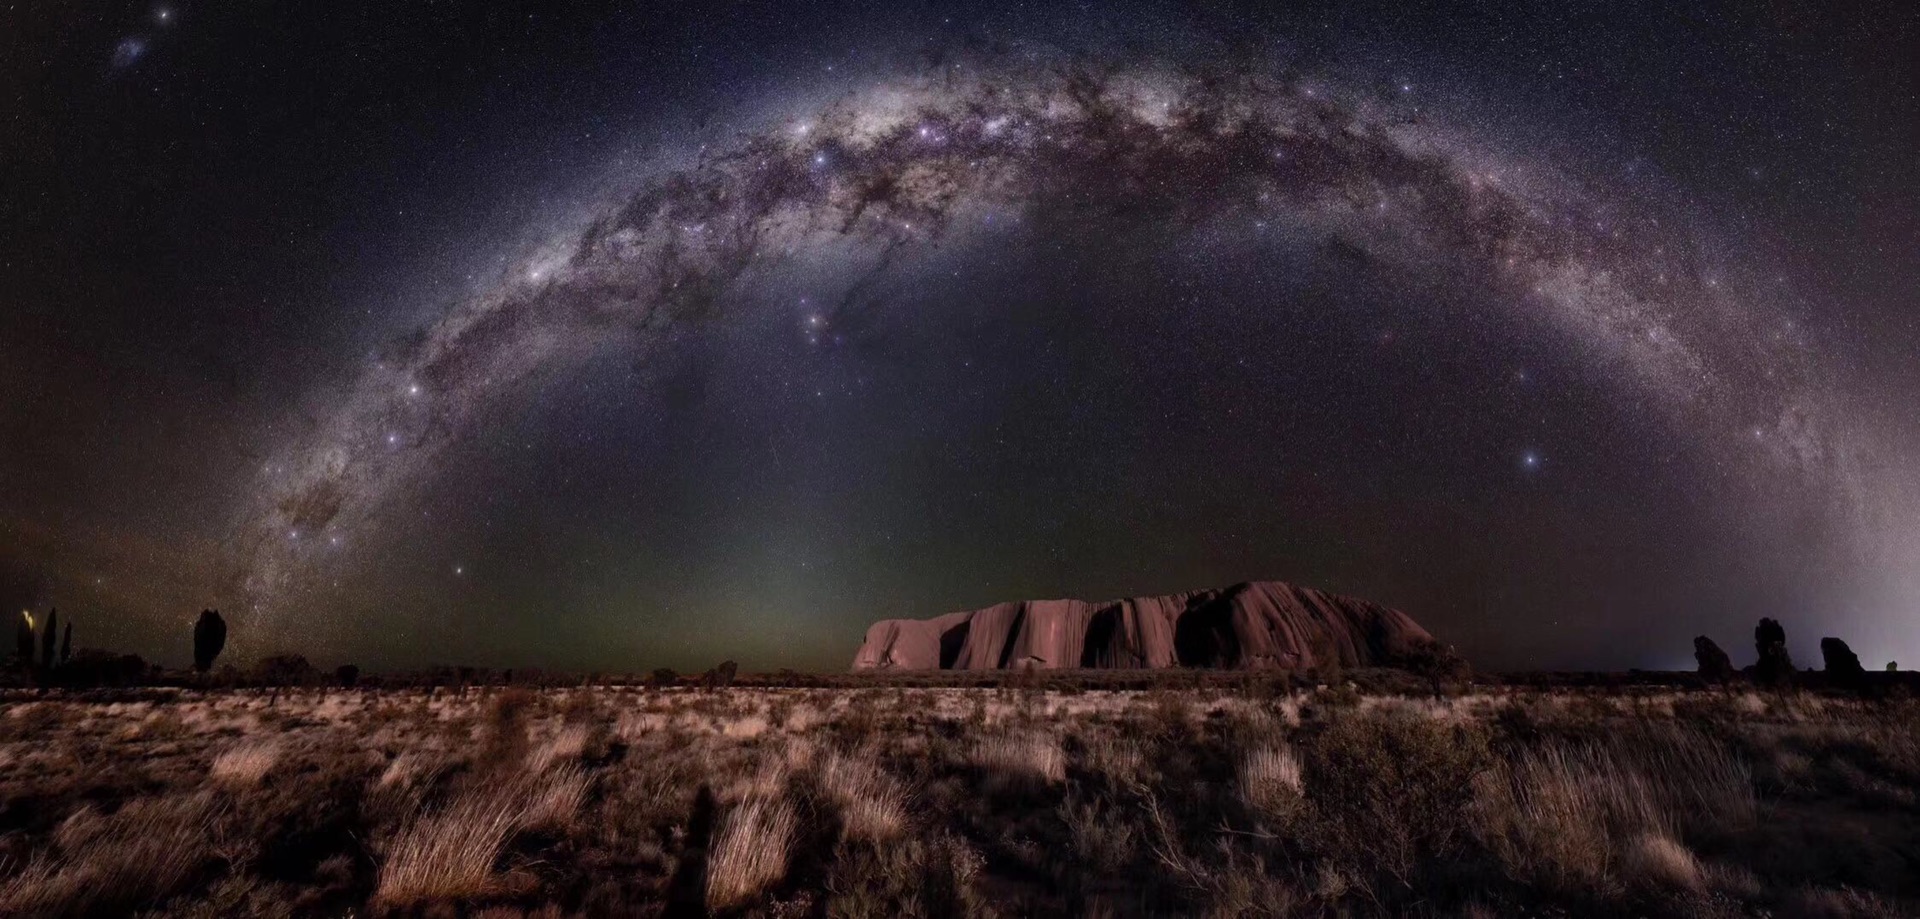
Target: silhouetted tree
point(48, 633)
point(23, 639)
point(347, 675)
point(1714, 663)
point(1775, 666)
point(664, 677)
point(722, 676)
point(1841, 663)
point(1434, 662)
point(285, 670)
point(66, 644)
point(209, 639)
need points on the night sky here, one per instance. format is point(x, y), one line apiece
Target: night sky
point(640, 335)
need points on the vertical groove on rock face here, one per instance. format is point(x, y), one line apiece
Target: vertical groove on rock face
point(1257, 624)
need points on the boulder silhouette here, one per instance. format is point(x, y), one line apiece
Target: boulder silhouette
point(209, 638)
point(48, 633)
point(1775, 666)
point(1840, 661)
point(1714, 663)
point(1253, 625)
point(23, 639)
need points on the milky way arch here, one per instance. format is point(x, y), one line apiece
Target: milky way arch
point(897, 168)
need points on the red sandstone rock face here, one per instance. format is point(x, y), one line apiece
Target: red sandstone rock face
point(1260, 624)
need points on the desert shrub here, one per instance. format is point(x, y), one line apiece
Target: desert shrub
point(917, 876)
point(1116, 759)
point(1102, 840)
point(1391, 791)
point(503, 744)
point(286, 670)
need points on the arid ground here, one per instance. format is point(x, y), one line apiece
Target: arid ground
point(911, 801)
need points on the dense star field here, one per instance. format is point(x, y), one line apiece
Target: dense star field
point(625, 337)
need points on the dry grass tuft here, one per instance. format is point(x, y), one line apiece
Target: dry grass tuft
point(872, 805)
point(449, 855)
point(1553, 814)
point(245, 764)
point(1270, 780)
point(565, 746)
point(554, 799)
point(1658, 861)
point(1032, 758)
point(113, 864)
point(750, 850)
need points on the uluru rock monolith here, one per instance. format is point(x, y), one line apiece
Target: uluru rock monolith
point(1252, 625)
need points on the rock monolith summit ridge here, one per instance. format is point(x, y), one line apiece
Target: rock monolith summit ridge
point(1252, 625)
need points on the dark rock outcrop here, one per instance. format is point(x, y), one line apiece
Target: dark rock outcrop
point(1840, 661)
point(23, 639)
point(209, 638)
point(48, 633)
point(1775, 666)
point(1714, 663)
point(1254, 625)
